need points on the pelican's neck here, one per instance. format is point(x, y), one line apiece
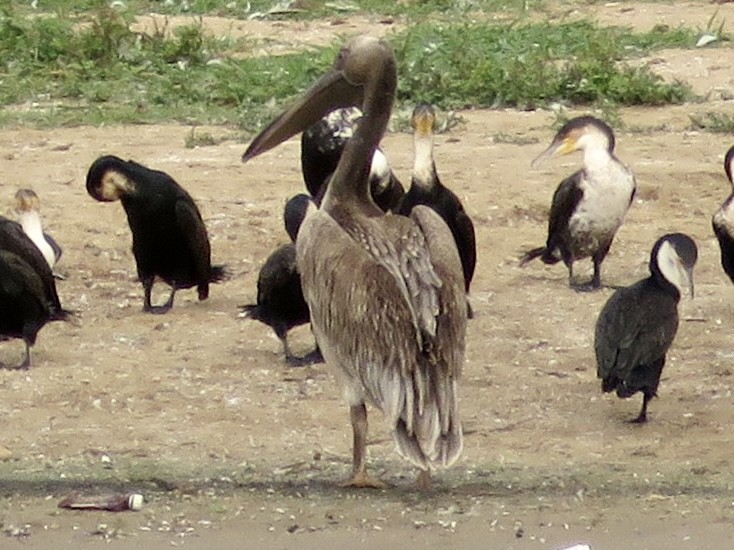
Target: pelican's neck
point(349, 185)
point(423, 167)
point(30, 221)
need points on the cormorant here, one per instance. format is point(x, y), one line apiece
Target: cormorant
point(638, 323)
point(169, 237)
point(426, 189)
point(386, 293)
point(321, 148)
point(588, 207)
point(27, 207)
point(723, 220)
point(13, 239)
point(28, 296)
point(280, 302)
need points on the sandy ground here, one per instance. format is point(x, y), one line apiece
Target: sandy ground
point(231, 448)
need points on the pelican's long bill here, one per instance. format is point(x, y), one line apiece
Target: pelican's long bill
point(332, 91)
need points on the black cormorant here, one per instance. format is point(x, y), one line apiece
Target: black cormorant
point(386, 293)
point(723, 220)
point(321, 148)
point(588, 207)
point(426, 189)
point(170, 241)
point(280, 302)
point(638, 323)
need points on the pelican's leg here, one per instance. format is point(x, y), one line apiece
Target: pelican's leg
point(360, 478)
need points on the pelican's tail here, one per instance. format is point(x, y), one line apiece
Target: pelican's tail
point(427, 431)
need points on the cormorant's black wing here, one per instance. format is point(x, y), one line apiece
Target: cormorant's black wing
point(726, 245)
point(278, 273)
point(13, 239)
point(636, 327)
point(188, 220)
point(565, 200)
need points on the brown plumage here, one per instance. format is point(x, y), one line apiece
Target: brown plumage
point(386, 292)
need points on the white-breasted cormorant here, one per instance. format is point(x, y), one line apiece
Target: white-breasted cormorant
point(386, 292)
point(280, 302)
point(28, 297)
point(426, 189)
point(723, 220)
point(322, 144)
point(638, 323)
point(27, 207)
point(589, 206)
point(170, 241)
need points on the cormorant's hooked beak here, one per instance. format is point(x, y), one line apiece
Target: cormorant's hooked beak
point(689, 273)
point(557, 148)
point(332, 91)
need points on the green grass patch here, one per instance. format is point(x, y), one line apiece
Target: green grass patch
point(89, 67)
point(719, 123)
point(532, 64)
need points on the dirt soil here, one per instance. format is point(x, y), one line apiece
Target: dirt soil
point(233, 449)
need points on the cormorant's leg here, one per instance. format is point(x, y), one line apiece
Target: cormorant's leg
point(642, 417)
point(424, 480)
point(360, 479)
point(26, 364)
point(295, 361)
point(148, 307)
point(594, 283)
point(596, 278)
point(291, 359)
point(314, 356)
point(469, 310)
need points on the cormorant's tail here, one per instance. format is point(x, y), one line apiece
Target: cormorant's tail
point(219, 273)
point(249, 311)
point(427, 429)
point(542, 251)
point(61, 314)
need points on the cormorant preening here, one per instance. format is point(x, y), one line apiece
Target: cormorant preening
point(386, 293)
point(169, 237)
point(638, 323)
point(280, 302)
point(723, 220)
point(426, 189)
point(28, 297)
point(27, 207)
point(588, 207)
point(321, 148)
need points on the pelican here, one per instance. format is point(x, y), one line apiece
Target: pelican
point(426, 188)
point(638, 323)
point(723, 220)
point(590, 205)
point(170, 241)
point(386, 292)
